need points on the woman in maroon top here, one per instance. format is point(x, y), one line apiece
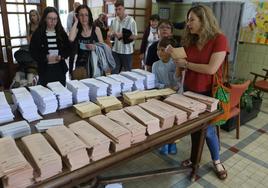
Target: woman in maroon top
point(206, 48)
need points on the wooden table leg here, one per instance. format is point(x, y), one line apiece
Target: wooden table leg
point(197, 156)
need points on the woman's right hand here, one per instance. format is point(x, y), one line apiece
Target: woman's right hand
point(52, 59)
point(75, 18)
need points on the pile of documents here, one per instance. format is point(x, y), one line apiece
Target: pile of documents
point(87, 109)
point(122, 118)
point(63, 95)
point(109, 103)
point(166, 92)
point(98, 144)
point(148, 120)
point(5, 110)
point(136, 78)
point(191, 106)
point(15, 169)
point(167, 119)
point(149, 81)
point(45, 160)
point(79, 91)
point(96, 88)
point(71, 148)
point(15, 130)
point(212, 103)
point(114, 88)
point(119, 135)
point(180, 115)
point(45, 99)
point(126, 84)
point(153, 93)
point(43, 125)
point(26, 105)
point(134, 97)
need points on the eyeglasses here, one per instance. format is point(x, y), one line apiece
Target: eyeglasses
point(52, 19)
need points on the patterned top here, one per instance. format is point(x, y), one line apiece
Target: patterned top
point(116, 26)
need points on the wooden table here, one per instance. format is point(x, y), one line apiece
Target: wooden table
point(93, 170)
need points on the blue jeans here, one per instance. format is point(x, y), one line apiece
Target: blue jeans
point(123, 62)
point(212, 143)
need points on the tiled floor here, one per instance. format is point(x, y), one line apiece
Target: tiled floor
point(245, 159)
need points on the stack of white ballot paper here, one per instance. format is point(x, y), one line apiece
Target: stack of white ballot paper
point(26, 105)
point(43, 125)
point(109, 103)
point(45, 160)
point(79, 90)
point(15, 169)
point(87, 109)
point(5, 110)
point(122, 118)
point(114, 88)
point(71, 148)
point(96, 88)
point(119, 135)
point(191, 106)
point(136, 78)
point(98, 144)
point(63, 95)
point(212, 103)
point(167, 119)
point(149, 81)
point(180, 115)
point(15, 130)
point(45, 99)
point(126, 84)
point(148, 120)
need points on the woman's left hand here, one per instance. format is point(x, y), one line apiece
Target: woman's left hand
point(91, 46)
point(180, 62)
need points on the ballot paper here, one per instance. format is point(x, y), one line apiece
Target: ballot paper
point(176, 53)
point(136, 78)
point(25, 103)
point(43, 125)
point(109, 103)
point(87, 109)
point(191, 106)
point(80, 91)
point(5, 110)
point(137, 129)
point(126, 84)
point(149, 81)
point(120, 136)
point(64, 96)
point(15, 169)
point(97, 143)
point(44, 98)
point(71, 148)
point(114, 87)
point(15, 130)
point(148, 120)
point(134, 97)
point(97, 88)
point(45, 160)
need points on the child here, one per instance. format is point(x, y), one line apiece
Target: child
point(166, 76)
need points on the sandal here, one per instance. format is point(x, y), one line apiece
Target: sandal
point(221, 174)
point(186, 163)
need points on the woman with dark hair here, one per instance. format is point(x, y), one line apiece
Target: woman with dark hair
point(50, 47)
point(86, 34)
point(33, 24)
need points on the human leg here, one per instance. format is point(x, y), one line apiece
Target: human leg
point(213, 145)
point(118, 64)
point(126, 60)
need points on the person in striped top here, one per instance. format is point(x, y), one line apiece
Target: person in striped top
point(50, 47)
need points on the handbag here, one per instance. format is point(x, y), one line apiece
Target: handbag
point(79, 73)
point(221, 91)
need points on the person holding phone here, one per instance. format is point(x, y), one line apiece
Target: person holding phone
point(49, 47)
point(86, 34)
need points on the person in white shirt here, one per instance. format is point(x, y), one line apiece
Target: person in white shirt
point(124, 31)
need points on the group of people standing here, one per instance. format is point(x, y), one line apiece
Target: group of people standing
point(205, 46)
